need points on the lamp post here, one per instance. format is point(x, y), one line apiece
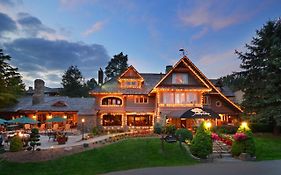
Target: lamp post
point(83, 121)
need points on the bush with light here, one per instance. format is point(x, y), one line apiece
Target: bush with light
point(201, 144)
point(243, 141)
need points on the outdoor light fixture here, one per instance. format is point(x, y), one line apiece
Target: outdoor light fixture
point(20, 134)
point(65, 116)
point(208, 125)
point(83, 121)
point(244, 124)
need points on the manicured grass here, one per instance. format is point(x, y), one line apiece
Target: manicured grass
point(268, 147)
point(127, 154)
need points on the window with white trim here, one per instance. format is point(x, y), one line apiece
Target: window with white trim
point(180, 78)
point(180, 98)
point(141, 99)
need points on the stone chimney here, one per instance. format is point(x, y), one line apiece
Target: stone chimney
point(100, 76)
point(38, 96)
point(168, 68)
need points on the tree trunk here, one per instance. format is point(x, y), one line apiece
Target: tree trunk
point(276, 130)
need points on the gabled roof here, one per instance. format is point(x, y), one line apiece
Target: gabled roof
point(216, 90)
point(126, 75)
point(188, 67)
point(112, 86)
point(84, 106)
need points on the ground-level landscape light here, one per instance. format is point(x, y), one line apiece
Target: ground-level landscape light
point(208, 125)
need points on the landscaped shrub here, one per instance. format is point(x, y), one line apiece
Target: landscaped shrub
point(34, 139)
point(170, 129)
point(97, 130)
point(225, 129)
point(157, 128)
point(201, 144)
point(16, 144)
point(243, 142)
point(183, 134)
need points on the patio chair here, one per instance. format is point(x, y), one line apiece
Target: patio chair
point(27, 127)
point(67, 127)
point(55, 127)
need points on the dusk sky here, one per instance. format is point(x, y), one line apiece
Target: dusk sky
point(45, 37)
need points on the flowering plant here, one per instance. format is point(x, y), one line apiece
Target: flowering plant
point(215, 136)
point(240, 136)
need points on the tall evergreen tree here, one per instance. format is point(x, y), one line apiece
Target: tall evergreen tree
point(117, 65)
point(261, 66)
point(11, 84)
point(73, 83)
point(91, 84)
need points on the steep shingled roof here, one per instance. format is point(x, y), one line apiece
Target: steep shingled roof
point(112, 86)
point(84, 106)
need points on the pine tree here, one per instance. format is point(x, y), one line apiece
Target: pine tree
point(73, 83)
point(261, 66)
point(117, 65)
point(11, 84)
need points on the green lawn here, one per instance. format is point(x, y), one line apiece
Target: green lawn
point(268, 147)
point(127, 154)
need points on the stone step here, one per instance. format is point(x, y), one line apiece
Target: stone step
point(224, 155)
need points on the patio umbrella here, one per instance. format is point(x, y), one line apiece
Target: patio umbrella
point(56, 119)
point(2, 121)
point(200, 113)
point(23, 120)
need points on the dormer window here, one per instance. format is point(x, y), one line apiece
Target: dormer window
point(180, 78)
point(111, 101)
point(130, 83)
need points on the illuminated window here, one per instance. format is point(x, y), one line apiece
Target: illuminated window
point(131, 83)
point(168, 98)
point(111, 101)
point(111, 120)
point(179, 98)
point(141, 99)
point(180, 78)
point(139, 120)
point(206, 100)
point(191, 97)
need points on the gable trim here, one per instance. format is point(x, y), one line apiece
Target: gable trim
point(181, 60)
point(130, 67)
point(212, 85)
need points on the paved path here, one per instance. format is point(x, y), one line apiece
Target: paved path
point(218, 168)
point(72, 141)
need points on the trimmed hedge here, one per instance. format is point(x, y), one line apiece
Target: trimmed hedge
point(183, 134)
point(201, 144)
point(170, 129)
point(225, 129)
point(244, 146)
point(158, 129)
point(16, 144)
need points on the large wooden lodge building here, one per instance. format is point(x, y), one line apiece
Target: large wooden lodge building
point(136, 100)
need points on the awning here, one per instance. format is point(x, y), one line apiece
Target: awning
point(200, 113)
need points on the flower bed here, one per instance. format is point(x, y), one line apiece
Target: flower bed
point(227, 139)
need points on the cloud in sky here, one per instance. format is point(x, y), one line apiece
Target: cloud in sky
point(219, 64)
point(209, 14)
point(42, 57)
point(7, 24)
point(94, 28)
point(40, 52)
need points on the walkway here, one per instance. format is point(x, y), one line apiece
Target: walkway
point(222, 168)
point(221, 151)
point(72, 141)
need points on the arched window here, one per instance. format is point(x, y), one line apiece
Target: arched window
point(111, 101)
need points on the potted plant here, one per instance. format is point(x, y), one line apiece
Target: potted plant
point(61, 138)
